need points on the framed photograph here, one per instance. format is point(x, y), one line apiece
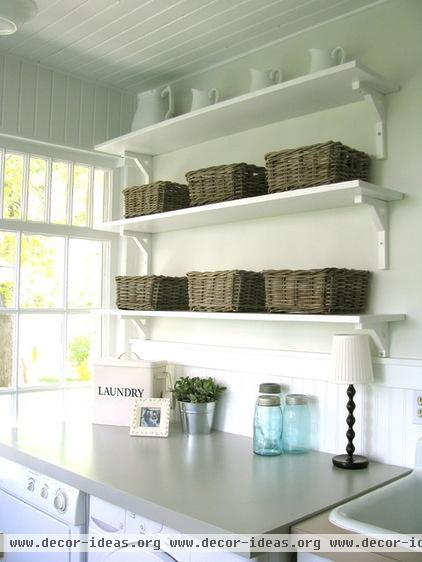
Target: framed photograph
point(151, 417)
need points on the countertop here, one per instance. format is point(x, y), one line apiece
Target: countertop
point(197, 484)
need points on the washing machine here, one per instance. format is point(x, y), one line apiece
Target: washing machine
point(109, 520)
point(32, 503)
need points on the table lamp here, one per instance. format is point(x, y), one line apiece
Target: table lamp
point(351, 364)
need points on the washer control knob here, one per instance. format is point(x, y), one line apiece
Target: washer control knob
point(44, 492)
point(31, 485)
point(60, 501)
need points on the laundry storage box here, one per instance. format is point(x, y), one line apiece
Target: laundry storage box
point(118, 383)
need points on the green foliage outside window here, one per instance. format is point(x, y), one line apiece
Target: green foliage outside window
point(41, 257)
point(79, 350)
point(13, 181)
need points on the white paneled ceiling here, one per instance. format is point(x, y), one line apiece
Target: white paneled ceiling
point(137, 44)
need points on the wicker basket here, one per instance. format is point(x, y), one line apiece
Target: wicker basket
point(225, 183)
point(226, 291)
point(157, 197)
point(318, 164)
point(317, 291)
point(152, 292)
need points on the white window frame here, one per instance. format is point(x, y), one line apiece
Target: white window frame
point(50, 152)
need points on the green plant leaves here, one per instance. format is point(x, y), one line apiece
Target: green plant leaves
point(197, 390)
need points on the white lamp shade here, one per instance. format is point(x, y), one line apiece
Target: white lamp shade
point(14, 13)
point(351, 361)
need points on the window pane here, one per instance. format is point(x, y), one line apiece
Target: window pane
point(6, 412)
point(59, 192)
point(78, 400)
point(85, 273)
point(7, 268)
point(84, 345)
point(100, 179)
point(40, 349)
point(80, 195)
point(43, 407)
point(42, 271)
point(6, 350)
point(13, 186)
point(37, 194)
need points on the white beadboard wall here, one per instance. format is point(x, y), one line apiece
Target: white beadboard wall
point(384, 428)
point(43, 104)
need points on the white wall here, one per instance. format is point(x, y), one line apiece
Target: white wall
point(42, 104)
point(384, 414)
point(387, 39)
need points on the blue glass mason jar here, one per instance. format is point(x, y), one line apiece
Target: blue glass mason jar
point(268, 426)
point(296, 424)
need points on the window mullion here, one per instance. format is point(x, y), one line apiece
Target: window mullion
point(107, 197)
point(17, 299)
point(70, 193)
point(90, 210)
point(105, 296)
point(66, 308)
point(48, 180)
point(2, 153)
point(25, 186)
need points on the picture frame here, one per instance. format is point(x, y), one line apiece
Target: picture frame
point(150, 417)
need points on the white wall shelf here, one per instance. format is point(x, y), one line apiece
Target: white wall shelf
point(375, 324)
point(341, 85)
point(345, 194)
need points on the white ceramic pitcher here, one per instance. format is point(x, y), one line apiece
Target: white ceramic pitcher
point(264, 78)
point(325, 58)
point(203, 98)
point(152, 108)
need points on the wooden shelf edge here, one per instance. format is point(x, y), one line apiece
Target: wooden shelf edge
point(357, 187)
point(363, 319)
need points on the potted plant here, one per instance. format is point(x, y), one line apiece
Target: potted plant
point(197, 398)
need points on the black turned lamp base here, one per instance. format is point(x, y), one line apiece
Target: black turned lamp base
point(350, 460)
point(352, 463)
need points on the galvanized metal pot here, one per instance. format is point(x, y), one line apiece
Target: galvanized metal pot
point(197, 418)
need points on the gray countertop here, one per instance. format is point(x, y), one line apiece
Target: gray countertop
point(197, 484)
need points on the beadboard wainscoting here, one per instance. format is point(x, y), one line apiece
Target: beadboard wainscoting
point(384, 412)
point(39, 103)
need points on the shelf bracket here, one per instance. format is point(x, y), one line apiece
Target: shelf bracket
point(377, 105)
point(143, 243)
point(380, 334)
point(144, 164)
point(143, 325)
point(379, 213)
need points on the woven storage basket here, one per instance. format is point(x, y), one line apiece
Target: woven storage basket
point(317, 291)
point(318, 164)
point(226, 291)
point(225, 183)
point(152, 292)
point(157, 197)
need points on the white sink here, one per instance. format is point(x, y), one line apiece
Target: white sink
point(394, 508)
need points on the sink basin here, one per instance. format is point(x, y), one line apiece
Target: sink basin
point(394, 508)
